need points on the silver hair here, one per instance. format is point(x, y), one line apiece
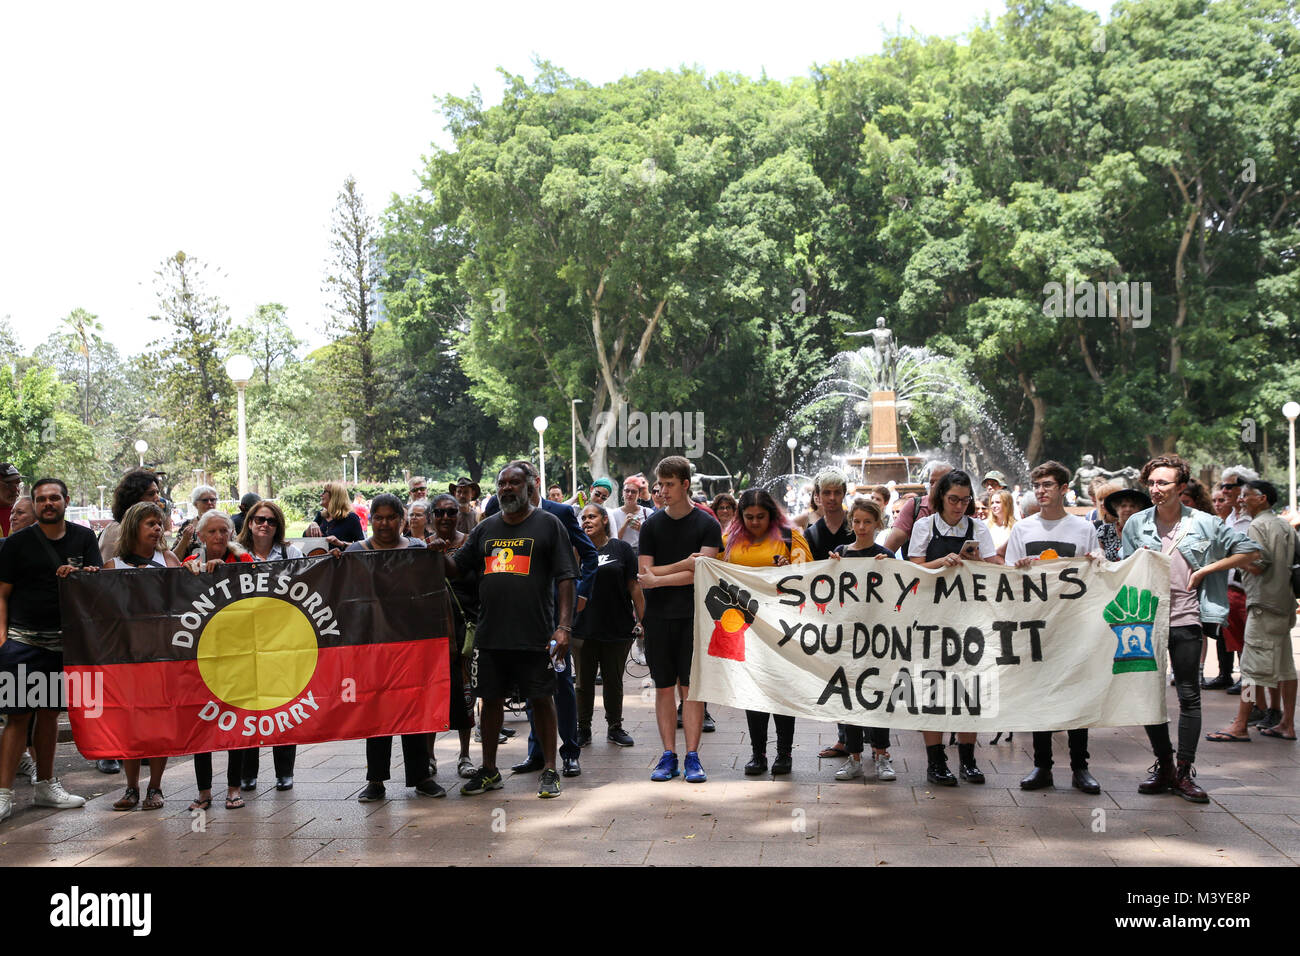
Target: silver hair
point(211, 515)
point(1241, 472)
point(199, 491)
point(931, 465)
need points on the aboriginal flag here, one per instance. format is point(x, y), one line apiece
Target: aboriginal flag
point(162, 662)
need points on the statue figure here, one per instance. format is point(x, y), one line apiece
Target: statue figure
point(1089, 471)
point(886, 355)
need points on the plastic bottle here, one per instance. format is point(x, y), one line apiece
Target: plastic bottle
point(557, 664)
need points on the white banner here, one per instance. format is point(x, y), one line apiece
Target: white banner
point(1061, 645)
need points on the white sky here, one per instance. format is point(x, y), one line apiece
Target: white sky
point(132, 130)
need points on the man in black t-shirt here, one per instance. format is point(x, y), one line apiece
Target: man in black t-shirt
point(519, 553)
point(670, 540)
point(31, 638)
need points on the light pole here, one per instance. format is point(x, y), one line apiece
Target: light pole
point(540, 424)
point(101, 499)
point(792, 444)
point(141, 446)
point(573, 448)
point(240, 370)
point(345, 468)
point(355, 454)
point(1291, 410)
point(963, 440)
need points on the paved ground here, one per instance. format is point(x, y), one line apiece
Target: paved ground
point(613, 814)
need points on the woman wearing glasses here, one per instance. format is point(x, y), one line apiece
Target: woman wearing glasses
point(262, 536)
point(445, 515)
point(950, 535)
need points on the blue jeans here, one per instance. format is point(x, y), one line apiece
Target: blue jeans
point(566, 714)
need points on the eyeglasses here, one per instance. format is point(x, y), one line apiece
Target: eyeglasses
point(421, 488)
point(445, 512)
point(1232, 484)
point(954, 500)
point(209, 501)
point(265, 519)
point(1169, 484)
point(1044, 485)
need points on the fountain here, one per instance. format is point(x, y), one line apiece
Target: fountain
point(874, 396)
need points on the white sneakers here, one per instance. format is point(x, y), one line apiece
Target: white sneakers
point(50, 793)
point(852, 769)
point(6, 804)
point(27, 767)
point(884, 767)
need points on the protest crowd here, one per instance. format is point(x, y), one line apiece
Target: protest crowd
point(551, 598)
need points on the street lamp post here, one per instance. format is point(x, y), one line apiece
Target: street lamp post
point(345, 468)
point(573, 448)
point(240, 370)
point(355, 455)
point(141, 446)
point(540, 423)
point(101, 499)
point(792, 444)
point(1291, 410)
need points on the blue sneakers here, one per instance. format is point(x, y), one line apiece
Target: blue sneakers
point(694, 772)
point(666, 768)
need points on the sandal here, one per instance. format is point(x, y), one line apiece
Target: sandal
point(201, 803)
point(152, 799)
point(235, 803)
point(129, 799)
point(836, 749)
point(1274, 732)
point(1223, 737)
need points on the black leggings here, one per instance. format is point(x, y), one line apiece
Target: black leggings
point(1185, 656)
point(758, 731)
point(203, 769)
point(282, 756)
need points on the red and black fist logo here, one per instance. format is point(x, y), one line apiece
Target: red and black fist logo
point(732, 609)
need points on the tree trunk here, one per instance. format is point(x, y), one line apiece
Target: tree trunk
point(1034, 449)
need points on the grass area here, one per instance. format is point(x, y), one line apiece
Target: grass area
point(295, 529)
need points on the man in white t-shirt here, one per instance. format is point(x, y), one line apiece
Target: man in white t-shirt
point(1053, 533)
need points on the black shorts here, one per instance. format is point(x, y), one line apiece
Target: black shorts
point(36, 679)
point(669, 646)
point(496, 674)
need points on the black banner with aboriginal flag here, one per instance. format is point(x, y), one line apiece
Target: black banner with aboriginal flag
point(285, 652)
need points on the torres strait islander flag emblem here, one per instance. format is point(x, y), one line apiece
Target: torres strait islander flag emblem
point(283, 652)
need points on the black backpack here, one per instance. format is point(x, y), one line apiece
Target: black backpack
point(1295, 562)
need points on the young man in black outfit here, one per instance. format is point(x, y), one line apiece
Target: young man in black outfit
point(670, 540)
point(833, 528)
point(31, 636)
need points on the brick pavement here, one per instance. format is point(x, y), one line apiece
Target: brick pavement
point(614, 815)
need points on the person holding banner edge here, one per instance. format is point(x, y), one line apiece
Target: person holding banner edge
point(31, 634)
point(945, 538)
point(761, 536)
point(1201, 549)
point(386, 518)
point(1053, 533)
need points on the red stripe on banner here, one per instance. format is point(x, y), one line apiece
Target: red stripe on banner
point(165, 709)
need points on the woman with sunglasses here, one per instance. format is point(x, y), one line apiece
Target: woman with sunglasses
point(950, 535)
point(447, 537)
point(262, 536)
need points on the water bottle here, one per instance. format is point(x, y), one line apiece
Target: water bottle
point(557, 664)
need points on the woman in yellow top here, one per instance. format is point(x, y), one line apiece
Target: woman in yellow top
point(761, 536)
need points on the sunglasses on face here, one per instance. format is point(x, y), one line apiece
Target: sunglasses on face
point(445, 512)
point(208, 501)
point(266, 519)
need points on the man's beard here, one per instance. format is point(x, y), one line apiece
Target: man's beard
point(513, 505)
point(44, 518)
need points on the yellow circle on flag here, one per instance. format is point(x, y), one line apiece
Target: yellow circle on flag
point(732, 620)
point(257, 653)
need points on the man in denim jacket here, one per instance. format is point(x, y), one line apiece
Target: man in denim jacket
point(1201, 549)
